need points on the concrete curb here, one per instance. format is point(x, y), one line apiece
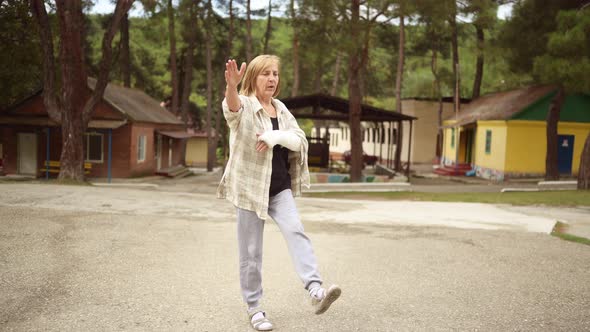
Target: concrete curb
point(359, 187)
point(125, 185)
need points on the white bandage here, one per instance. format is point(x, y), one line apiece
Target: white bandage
point(282, 137)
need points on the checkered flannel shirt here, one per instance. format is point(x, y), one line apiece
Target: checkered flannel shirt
point(246, 180)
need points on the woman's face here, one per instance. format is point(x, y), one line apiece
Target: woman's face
point(267, 81)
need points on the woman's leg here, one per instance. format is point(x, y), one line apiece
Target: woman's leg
point(283, 211)
point(250, 232)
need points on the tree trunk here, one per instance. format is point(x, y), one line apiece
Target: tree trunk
point(173, 65)
point(456, 68)
point(337, 65)
point(230, 35)
point(398, 93)
point(295, 89)
point(209, 59)
point(354, 94)
point(188, 64)
point(51, 100)
point(224, 143)
point(551, 162)
point(457, 75)
point(221, 134)
point(74, 89)
point(248, 33)
point(125, 57)
point(268, 27)
point(317, 88)
point(479, 63)
point(439, 135)
point(584, 170)
point(217, 137)
point(74, 107)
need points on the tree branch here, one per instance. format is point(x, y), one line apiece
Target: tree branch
point(50, 98)
point(122, 7)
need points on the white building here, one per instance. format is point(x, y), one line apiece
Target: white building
point(378, 139)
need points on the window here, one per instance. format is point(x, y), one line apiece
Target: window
point(452, 137)
point(488, 141)
point(141, 148)
point(93, 151)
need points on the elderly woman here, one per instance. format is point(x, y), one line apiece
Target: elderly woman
point(266, 169)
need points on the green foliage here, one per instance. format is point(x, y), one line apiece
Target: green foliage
point(323, 31)
point(525, 36)
point(20, 53)
point(549, 198)
point(560, 230)
point(568, 59)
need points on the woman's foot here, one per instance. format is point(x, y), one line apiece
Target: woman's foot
point(321, 299)
point(258, 319)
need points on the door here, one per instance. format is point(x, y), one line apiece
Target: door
point(469, 133)
point(170, 152)
point(159, 151)
point(27, 153)
point(565, 153)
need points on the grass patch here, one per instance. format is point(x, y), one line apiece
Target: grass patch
point(549, 198)
point(560, 230)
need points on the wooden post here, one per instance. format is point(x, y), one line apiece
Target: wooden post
point(110, 152)
point(409, 151)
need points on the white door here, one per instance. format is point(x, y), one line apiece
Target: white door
point(159, 151)
point(27, 153)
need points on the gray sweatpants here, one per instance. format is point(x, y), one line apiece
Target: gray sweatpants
point(283, 211)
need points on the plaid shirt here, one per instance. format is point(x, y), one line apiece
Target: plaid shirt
point(246, 180)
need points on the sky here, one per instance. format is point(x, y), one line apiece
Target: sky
point(105, 6)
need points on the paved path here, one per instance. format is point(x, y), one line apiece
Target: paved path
point(205, 206)
point(82, 258)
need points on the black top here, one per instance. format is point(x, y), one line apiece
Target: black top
point(280, 178)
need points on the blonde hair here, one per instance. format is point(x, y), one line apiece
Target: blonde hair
point(255, 67)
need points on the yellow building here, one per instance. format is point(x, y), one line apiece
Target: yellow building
point(196, 148)
point(503, 135)
point(423, 148)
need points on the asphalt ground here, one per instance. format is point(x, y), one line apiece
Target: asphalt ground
point(85, 258)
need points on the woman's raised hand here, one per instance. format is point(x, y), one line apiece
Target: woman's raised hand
point(233, 76)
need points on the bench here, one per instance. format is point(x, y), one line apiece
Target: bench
point(54, 167)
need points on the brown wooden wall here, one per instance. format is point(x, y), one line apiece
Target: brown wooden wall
point(124, 161)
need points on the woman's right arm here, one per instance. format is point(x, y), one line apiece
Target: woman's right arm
point(233, 76)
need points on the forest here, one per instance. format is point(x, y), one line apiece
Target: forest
point(374, 51)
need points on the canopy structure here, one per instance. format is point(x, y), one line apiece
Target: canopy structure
point(325, 107)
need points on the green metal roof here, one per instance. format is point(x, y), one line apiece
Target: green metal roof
point(576, 108)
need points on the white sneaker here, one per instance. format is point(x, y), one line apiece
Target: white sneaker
point(323, 304)
point(261, 323)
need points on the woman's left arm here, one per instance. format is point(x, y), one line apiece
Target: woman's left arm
point(292, 137)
